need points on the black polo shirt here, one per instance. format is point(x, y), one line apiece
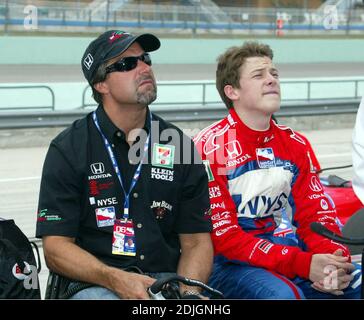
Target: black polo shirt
point(80, 194)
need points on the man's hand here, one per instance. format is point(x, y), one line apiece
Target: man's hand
point(128, 285)
point(334, 271)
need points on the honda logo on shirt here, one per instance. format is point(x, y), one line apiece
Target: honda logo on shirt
point(97, 168)
point(233, 149)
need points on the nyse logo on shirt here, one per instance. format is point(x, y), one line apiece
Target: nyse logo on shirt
point(265, 158)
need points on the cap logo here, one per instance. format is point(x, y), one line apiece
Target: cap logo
point(88, 61)
point(117, 35)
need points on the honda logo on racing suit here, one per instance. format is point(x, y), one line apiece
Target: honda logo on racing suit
point(315, 184)
point(233, 149)
point(97, 168)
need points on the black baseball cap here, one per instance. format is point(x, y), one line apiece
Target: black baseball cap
point(109, 45)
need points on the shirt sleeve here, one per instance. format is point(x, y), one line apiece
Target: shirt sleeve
point(59, 206)
point(358, 153)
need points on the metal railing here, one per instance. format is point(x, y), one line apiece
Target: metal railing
point(176, 114)
point(187, 94)
point(17, 97)
point(197, 101)
point(204, 93)
point(315, 88)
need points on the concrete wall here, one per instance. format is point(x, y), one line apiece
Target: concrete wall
point(62, 50)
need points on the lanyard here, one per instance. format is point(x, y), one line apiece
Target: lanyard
point(116, 167)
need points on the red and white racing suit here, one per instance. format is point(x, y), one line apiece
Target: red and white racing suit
point(253, 176)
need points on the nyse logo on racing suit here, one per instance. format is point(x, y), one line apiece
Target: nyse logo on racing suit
point(260, 206)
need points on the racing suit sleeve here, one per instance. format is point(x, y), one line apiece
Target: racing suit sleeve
point(235, 244)
point(312, 205)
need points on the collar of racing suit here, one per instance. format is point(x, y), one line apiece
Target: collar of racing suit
point(258, 137)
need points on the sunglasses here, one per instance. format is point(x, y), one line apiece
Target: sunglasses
point(129, 63)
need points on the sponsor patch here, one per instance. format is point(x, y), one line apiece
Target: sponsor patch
point(268, 138)
point(208, 170)
point(161, 174)
point(100, 176)
point(105, 216)
point(233, 149)
point(315, 184)
point(88, 61)
point(316, 196)
point(160, 208)
point(96, 187)
point(220, 223)
point(265, 246)
point(117, 35)
point(214, 192)
point(98, 170)
point(43, 215)
point(163, 155)
point(235, 162)
point(324, 204)
point(222, 215)
point(219, 233)
point(218, 205)
point(265, 158)
point(106, 202)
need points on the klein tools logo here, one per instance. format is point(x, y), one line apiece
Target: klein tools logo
point(97, 168)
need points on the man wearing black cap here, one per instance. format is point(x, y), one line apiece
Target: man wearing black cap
point(108, 180)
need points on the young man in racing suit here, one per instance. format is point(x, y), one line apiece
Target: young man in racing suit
point(256, 169)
